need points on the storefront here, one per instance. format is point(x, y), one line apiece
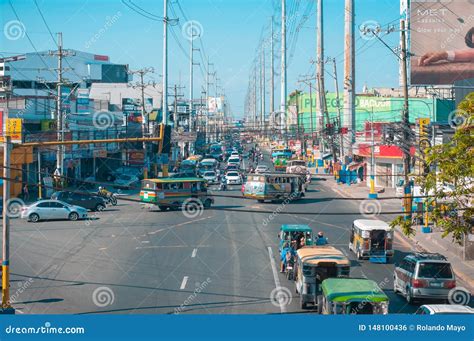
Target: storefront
point(388, 163)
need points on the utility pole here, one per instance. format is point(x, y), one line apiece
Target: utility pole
point(191, 75)
point(336, 87)
point(255, 106)
point(349, 74)
point(142, 86)
point(272, 69)
point(283, 94)
point(165, 62)
point(320, 67)
point(6, 307)
point(262, 89)
point(60, 53)
point(405, 124)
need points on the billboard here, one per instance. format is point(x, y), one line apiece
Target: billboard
point(441, 41)
point(82, 101)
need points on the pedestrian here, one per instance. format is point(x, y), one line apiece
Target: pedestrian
point(26, 194)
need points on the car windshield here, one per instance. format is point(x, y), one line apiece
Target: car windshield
point(434, 270)
point(209, 174)
point(125, 177)
point(298, 163)
point(232, 174)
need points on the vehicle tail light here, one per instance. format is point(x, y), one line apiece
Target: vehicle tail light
point(419, 283)
point(450, 284)
point(366, 244)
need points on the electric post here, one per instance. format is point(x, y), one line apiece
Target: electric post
point(406, 125)
point(283, 94)
point(60, 53)
point(6, 307)
point(142, 85)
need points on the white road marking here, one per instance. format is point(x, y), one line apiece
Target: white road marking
point(194, 253)
point(178, 225)
point(275, 277)
point(183, 283)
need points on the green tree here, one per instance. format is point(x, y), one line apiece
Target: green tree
point(450, 183)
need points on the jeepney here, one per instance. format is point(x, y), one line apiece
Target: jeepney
point(372, 239)
point(352, 296)
point(313, 265)
point(171, 193)
point(273, 186)
point(296, 166)
point(294, 232)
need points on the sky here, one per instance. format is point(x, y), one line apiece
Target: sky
point(230, 32)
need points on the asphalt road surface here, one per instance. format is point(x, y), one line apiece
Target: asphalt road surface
point(130, 259)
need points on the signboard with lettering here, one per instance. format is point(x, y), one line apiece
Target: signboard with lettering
point(14, 127)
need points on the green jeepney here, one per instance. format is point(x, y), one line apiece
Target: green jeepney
point(352, 296)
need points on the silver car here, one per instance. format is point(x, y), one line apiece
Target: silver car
point(210, 177)
point(52, 210)
point(424, 275)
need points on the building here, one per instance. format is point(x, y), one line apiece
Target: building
point(91, 106)
point(381, 112)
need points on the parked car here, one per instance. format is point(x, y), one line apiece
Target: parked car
point(126, 181)
point(89, 201)
point(52, 210)
point(261, 169)
point(442, 309)
point(211, 177)
point(233, 178)
point(424, 276)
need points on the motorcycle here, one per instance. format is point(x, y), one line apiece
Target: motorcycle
point(109, 198)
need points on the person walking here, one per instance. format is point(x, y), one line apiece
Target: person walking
point(26, 194)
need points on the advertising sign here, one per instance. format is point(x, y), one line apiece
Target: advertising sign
point(82, 101)
point(212, 104)
point(441, 41)
point(14, 129)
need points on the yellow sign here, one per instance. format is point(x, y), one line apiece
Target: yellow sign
point(14, 129)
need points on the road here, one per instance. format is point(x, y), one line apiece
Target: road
point(130, 259)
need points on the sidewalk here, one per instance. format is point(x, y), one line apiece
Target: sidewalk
point(430, 242)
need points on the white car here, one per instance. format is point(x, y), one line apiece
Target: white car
point(233, 178)
point(234, 160)
point(52, 210)
point(261, 169)
point(126, 181)
point(439, 309)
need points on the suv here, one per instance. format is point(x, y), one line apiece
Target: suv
point(88, 201)
point(424, 275)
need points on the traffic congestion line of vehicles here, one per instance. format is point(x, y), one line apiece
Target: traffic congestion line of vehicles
point(321, 272)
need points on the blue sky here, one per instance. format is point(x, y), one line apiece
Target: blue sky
point(231, 31)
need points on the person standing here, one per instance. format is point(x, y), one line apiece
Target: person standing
point(26, 194)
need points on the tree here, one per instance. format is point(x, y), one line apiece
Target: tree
point(449, 184)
